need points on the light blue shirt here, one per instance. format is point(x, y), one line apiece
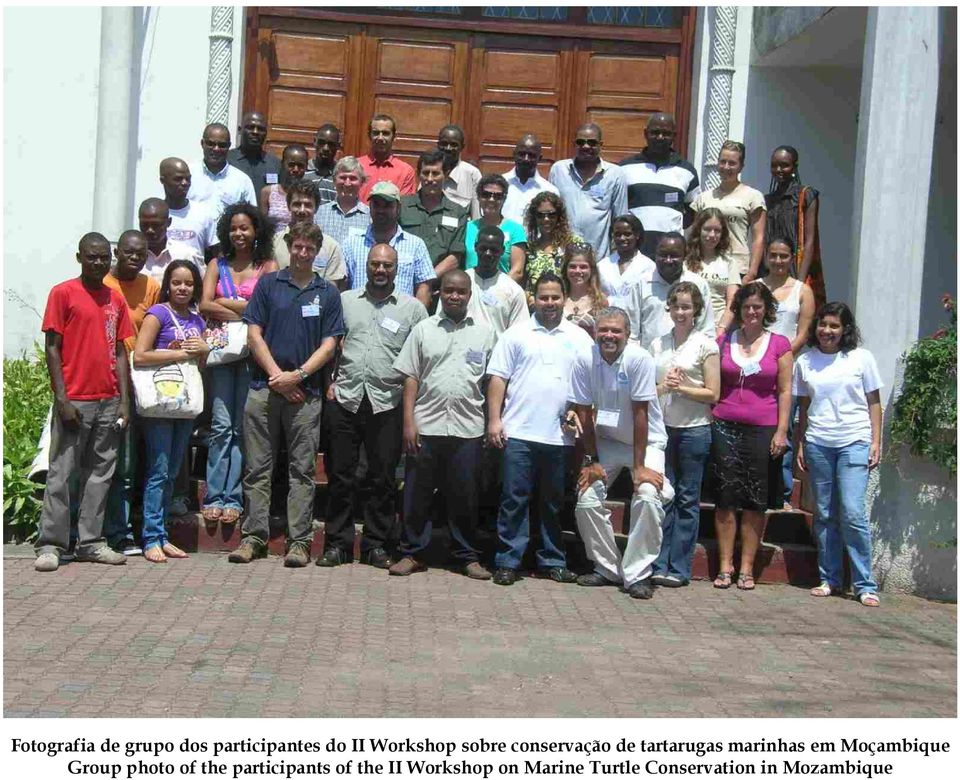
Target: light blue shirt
point(413, 260)
point(591, 205)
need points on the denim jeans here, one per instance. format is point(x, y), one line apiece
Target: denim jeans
point(229, 385)
point(525, 464)
point(839, 479)
point(116, 522)
point(788, 453)
point(686, 458)
point(167, 442)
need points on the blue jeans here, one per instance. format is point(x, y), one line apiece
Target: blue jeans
point(788, 453)
point(686, 457)
point(525, 464)
point(167, 442)
point(116, 522)
point(228, 385)
point(839, 479)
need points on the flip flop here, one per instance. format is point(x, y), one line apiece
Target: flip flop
point(746, 582)
point(229, 515)
point(211, 514)
point(724, 580)
point(869, 599)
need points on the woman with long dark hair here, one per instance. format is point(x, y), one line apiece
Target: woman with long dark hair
point(548, 234)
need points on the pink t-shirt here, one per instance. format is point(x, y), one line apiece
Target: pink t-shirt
point(748, 395)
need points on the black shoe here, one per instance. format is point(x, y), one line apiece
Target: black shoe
point(557, 574)
point(378, 558)
point(594, 580)
point(641, 590)
point(333, 556)
point(505, 577)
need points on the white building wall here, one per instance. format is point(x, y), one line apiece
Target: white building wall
point(62, 127)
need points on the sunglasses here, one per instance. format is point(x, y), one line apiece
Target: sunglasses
point(591, 142)
point(546, 214)
point(488, 195)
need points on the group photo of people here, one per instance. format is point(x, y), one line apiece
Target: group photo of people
point(509, 344)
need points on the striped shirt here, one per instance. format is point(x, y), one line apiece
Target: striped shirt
point(337, 224)
point(413, 260)
point(324, 184)
point(656, 195)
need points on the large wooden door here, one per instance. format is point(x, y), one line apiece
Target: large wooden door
point(303, 72)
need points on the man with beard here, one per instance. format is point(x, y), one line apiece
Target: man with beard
point(618, 381)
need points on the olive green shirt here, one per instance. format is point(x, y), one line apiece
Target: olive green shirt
point(443, 230)
point(376, 331)
point(449, 361)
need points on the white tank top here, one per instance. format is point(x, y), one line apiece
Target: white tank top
point(788, 313)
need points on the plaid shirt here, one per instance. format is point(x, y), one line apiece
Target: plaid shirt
point(324, 184)
point(333, 222)
point(413, 260)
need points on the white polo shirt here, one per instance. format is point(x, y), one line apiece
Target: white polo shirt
point(498, 301)
point(219, 190)
point(537, 364)
point(616, 286)
point(519, 194)
point(611, 388)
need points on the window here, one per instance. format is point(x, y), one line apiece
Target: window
point(648, 16)
point(527, 13)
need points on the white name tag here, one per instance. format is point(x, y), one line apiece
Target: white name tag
point(489, 298)
point(449, 222)
point(670, 197)
point(271, 178)
point(319, 264)
point(475, 356)
point(310, 310)
point(751, 368)
point(608, 418)
point(390, 324)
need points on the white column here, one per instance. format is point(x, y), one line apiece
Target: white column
point(116, 122)
point(219, 75)
point(898, 100)
point(722, 47)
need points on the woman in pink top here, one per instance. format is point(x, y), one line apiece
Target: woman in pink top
point(273, 197)
point(246, 238)
point(749, 428)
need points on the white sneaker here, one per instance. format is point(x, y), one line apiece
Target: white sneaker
point(130, 548)
point(102, 554)
point(48, 561)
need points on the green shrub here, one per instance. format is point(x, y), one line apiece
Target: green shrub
point(26, 399)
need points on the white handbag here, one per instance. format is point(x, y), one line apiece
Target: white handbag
point(227, 340)
point(173, 391)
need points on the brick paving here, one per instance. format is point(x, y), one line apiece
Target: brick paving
point(202, 637)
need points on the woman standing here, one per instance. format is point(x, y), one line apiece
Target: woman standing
point(708, 256)
point(246, 239)
point(838, 385)
point(625, 266)
point(749, 428)
point(548, 234)
point(688, 382)
point(273, 197)
point(743, 207)
point(793, 211)
point(582, 282)
point(491, 193)
point(172, 332)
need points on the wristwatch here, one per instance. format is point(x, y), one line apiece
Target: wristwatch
point(303, 374)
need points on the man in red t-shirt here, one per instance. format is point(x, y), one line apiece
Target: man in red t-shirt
point(85, 324)
point(381, 164)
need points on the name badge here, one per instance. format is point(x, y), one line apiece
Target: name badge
point(449, 222)
point(608, 418)
point(622, 378)
point(390, 324)
point(751, 368)
point(475, 356)
point(670, 197)
point(271, 178)
point(319, 264)
point(489, 298)
point(310, 310)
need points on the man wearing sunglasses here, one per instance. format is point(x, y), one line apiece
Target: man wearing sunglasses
point(593, 190)
point(215, 181)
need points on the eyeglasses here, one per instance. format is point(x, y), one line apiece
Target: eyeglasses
point(591, 142)
point(490, 195)
point(546, 214)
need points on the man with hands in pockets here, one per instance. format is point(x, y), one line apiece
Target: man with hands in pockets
point(618, 380)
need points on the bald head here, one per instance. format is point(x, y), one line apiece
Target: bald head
point(175, 179)
point(214, 144)
point(253, 132)
point(660, 133)
point(591, 127)
point(381, 268)
point(526, 156)
point(455, 290)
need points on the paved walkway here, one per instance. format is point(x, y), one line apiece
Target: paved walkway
point(202, 637)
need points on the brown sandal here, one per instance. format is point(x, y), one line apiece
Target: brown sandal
point(229, 515)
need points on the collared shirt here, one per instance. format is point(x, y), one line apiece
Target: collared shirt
point(498, 301)
point(616, 286)
point(294, 322)
point(328, 262)
point(443, 230)
point(325, 189)
point(174, 250)
point(219, 190)
point(448, 360)
point(393, 169)
point(263, 169)
point(195, 224)
point(460, 185)
point(611, 389)
point(339, 224)
point(592, 204)
point(519, 194)
point(648, 308)
point(413, 260)
point(656, 194)
point(376, 331)
point(537, 364)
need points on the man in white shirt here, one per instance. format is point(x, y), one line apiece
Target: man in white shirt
point(524, 179)
point(619, 381)
point(154, 219)
point(497, 300)
point(527, 418)
point(647, 301)
point(191, 222)
point(460, 177)
point(216, 182)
